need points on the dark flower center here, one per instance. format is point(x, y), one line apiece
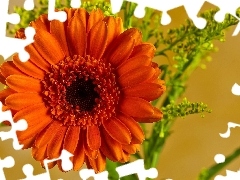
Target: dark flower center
point(81, 93)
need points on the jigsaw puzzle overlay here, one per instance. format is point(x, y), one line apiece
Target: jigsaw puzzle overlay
point(9, 46)
point(136, 167)
point(220, 158)
point(192, 8)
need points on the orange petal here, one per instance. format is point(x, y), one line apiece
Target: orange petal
point(21, 83)
point(39, 24)
point(97, 40)
point(28, 143)
point(136, 76)
point(28, 68)
point(126, 157)
point(135, 129)
point(49, 48)
point(115, 27)
point(122, 47)
point(19, 101)
point(133, 63)
point(71, 138)
point(50, 164)
point(76, 37)
point(95, 16)
point(5, 93)
point(157, 72)
point(37, 59)
point(156, 116)
point(47, 134)
point(58, 31)
point(83, 14)
point(55, 145)
point(92, 154)
point(2, 79)
point(20, 34)
point(147, 91)
point(144, 49)
point(93, 137)
point(9, 68)
point(117, 130)
point(98, 164)
point(89, 152)
point(135, 34)
point(70, 13)
point(132, 148)
point(39, 153)
point(136, 107)
point(79, 154)
point(44, 19)
point(31, 114)
point(110, 147)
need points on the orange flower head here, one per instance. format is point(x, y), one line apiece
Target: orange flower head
point(85, 87)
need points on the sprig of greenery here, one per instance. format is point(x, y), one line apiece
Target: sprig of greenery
point(190, 47)
point(42, 8)
point(207, 174)
point(161, 130)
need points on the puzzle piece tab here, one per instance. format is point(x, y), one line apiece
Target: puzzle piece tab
point(192, 9)
point(20, 125)
point(29, 5)
point(7, 162)
point(87, 173)
point(66, 165)
point(9, 46)
point(230, 175)
point(52, 14)
point(137, 167)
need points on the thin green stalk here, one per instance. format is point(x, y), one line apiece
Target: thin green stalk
point(207, 174)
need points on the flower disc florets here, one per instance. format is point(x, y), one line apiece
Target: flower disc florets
point(81, 91)
point(85, 88)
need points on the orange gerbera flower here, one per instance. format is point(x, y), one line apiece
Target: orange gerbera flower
point(85, 87)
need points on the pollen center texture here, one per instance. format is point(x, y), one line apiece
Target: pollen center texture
point(81, 91)
point(85, 89)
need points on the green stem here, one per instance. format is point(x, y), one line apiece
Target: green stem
point(128, 14)
point(206, 174)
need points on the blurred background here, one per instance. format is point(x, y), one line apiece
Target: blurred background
point(195, 140)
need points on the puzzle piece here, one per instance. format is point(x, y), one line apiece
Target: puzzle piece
point(9, 46)
point(75, 3)
point(29, 5)
point(192, 9)
point(52, 14)
point(230, 175)
point(20, 125)
point(137, 167)
point(87, 173)
point(230, 125)
point(66, 165)
point(236, 89)
point(7, 162)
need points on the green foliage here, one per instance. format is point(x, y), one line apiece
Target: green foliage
point(189, 46)
point(173, 110)
point(161, 131)
point(208, 173)
point(42, 8)
point(183, 109)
